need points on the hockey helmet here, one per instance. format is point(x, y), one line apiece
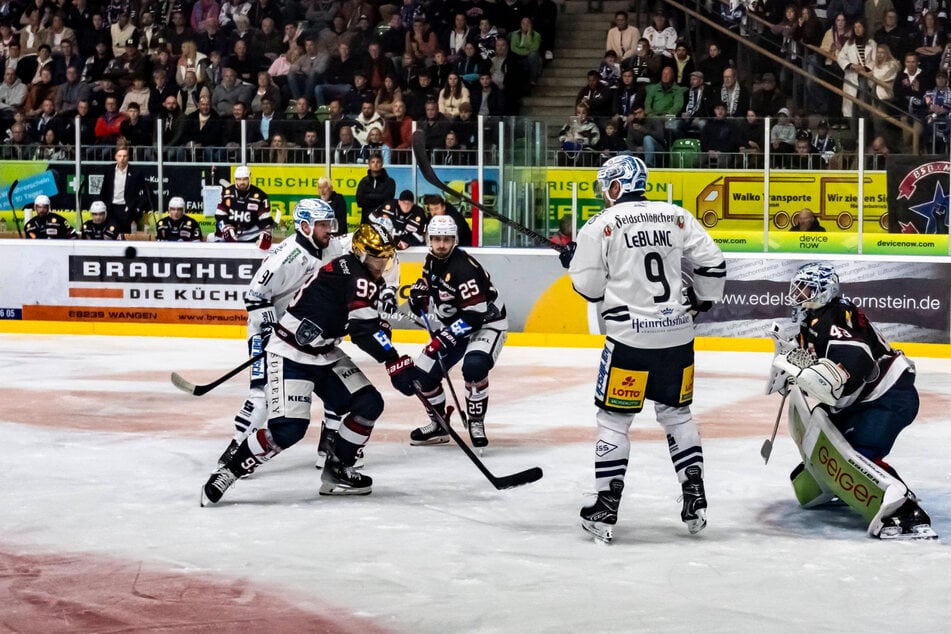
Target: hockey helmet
point(442, 225)
point(312, 210)
point(97, 207)
point(813, 286)
point(629, 171)
point(372, 244)
point(176, 202)
point(41, 200)
point(377, 217)
point(242, 171)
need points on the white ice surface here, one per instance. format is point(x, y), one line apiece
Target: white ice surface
point(436, 549)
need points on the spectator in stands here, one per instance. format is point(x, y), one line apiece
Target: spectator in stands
point(471, 66)
point(229, 92)
point(242, 63)
point(270, 40)
point(665, 98)
point(206, 131)
point(348, 148)
point(645, 136)
point(68, 94)
point(299, 121)
point(823, 145)
point(123, 191)
point(877, 153)
point(419, 94)
point(610, 71)
point(33, 34)
point(910, 87)
point(644, 64)
point(596, 96)
point(467, 128)
point(767, 99)
point(750, 133)
point(436, 205)
point(622, 37)
point(822, 101)
point(857, 58)
point(398, 134)
point(204, 16)
point(107, 126)
point(340, 72)
point(65, 58)
point(174, 128)
point(718, 139)
point(160, 90)
point(452, 153)
point(565, 233)
point(265, 123)
point(485, 38)
point(788, 33)
point(456, 38)
point(375, 188)
point(261, 10)
point(579, 137)
point(304, 72)
point(452, 96)
point(735, 96)
point(190, 93)
point(937, 106)
point(266, 90)
point(546, 23)
point(628, 97)
point(893, 34)
point(661, 35)
point(135, 132)
point(435, 125)
point(803, 157)
point(231, 129)
point(86, 124)
point(150, 35)
point(713, 66)
point(526, 43)
point(421, 42)
point(50, 148)
point(120, 32)
point(367, 119)
point(612, 142)
point(325, 190)
point(805, 220)
point(875, 11)
point(190, 61)
point(698, 105)
point(508, 77)
point(17, 146)
point(782, 137)
point(440, 68)
point(375, 145)
point(42, 88)
point(359, 92)
point(44, 120)
point(884, 72)
point(930, 40)
point(138, 93)
point(12, 95)
point(683, 64)
point(387, 96)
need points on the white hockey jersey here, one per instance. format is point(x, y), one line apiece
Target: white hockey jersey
point(282, 273)
point(632, 256)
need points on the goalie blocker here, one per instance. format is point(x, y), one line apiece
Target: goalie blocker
point(831, 468)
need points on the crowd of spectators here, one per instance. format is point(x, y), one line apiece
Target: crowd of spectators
point(106, 70)
point(660, 96)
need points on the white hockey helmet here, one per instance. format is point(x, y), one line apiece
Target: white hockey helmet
point(311, 210)
point(629, 171)
point(42, 199)
point(177, 202)
point(813, 286)
point(242, 171)
point(97, 207)
point(442, 225)
point(377, 217)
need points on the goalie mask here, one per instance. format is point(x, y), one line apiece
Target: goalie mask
point(312, 211)
point(629, 172)
point(373, 246)
point(813, 286)
point(442, 226)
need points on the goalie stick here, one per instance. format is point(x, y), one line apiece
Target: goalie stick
point(499, 482)
point(198, 390)
point(767, 449)
point(426, 168)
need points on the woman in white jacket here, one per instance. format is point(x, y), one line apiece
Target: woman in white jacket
point(857, 60)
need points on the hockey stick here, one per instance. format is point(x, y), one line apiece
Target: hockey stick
point(767, 447)
point(499, 482)
point(13, 210)
point(426, 167)
point(198, 390)
point(445, 372)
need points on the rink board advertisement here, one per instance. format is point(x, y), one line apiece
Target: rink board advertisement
point(203, 285)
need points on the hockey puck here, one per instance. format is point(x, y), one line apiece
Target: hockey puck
point(130, 252)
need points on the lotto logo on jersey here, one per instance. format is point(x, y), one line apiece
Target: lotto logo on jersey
point(626, 389)
point(686, 385)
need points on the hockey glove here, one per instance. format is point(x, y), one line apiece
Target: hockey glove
point(401, 374)
point(387, 302)
point(442, 343)
point(697, 306)
point(821, 379)
point(264, 240)
point(228, 234)
point(567, 253)
point(419, 297)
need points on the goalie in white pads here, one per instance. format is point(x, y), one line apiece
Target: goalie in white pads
point(630, 258)
point(867, 395)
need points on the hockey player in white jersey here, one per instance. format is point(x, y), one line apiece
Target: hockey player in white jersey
point(283, 271)
point(630, 258)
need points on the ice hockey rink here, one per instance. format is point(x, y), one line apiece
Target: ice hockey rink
point(101, 528)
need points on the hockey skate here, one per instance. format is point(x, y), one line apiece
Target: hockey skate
point(477, 432)
point(694, 512)
point(431, 434)
point(339, 479)
point(325, 445)
point(908, 522)
point(219, 482)
point(599, 518)
point(229, 453)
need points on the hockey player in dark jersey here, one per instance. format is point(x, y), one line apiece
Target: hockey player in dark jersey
point(99, 228)
point(244, 213)
point(47, 225)
point(408, 218)
point(460, 293)
point(867, 395)
point(304, 358)
point(176, 226)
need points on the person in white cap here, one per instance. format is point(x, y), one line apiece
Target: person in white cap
point(99, 228)
point(176, 226)
point(244, 213)
point(45, 224)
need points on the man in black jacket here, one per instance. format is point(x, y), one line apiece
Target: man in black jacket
point(375, 188)
point(123, 191)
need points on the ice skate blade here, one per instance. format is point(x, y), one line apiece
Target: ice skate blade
point(435, 440)
point(205, 500)
point(603, 533)
point(694, 526)
point(918, 533)
point(333, 488)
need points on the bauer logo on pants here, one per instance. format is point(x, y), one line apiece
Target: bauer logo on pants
point(626, 388)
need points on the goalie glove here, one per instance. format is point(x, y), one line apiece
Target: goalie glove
point(821, 379)
point(778, 380)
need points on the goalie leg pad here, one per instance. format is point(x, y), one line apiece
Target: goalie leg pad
point(809, 491)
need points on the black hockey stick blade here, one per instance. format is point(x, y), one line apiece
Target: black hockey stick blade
point(426, 168)
point(198, 390)
point(499, 482)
